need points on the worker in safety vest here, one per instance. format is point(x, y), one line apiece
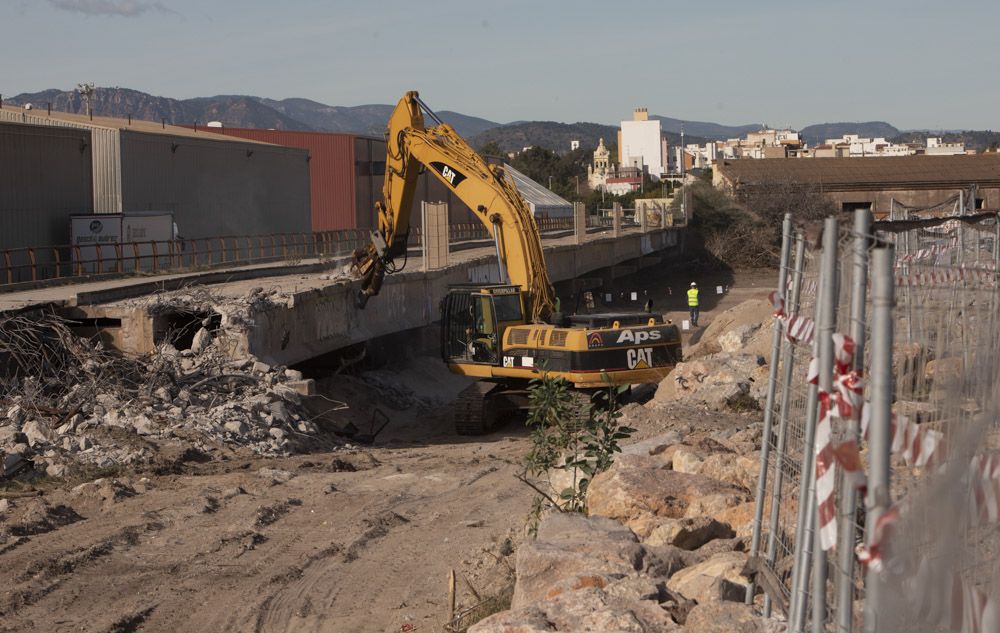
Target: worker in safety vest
point(693, 303)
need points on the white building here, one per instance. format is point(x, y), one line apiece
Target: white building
point(935, 147)
point(642, 144)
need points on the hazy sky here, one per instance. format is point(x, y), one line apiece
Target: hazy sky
point(914, 63)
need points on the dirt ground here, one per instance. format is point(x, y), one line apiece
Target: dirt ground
point(352, 539)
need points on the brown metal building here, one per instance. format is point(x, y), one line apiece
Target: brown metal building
point(874, 183)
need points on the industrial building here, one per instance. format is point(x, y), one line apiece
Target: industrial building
point(542, 202)
point(874, 183)
point(45, 176)
point(213, 184)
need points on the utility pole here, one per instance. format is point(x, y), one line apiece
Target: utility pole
point(577, 184)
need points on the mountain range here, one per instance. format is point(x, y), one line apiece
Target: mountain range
point(308, 115)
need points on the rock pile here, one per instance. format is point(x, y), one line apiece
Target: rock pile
point(663, 547)
point(75, 404)
point(727, 368)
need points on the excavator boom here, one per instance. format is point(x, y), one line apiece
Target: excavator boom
point(485, 188)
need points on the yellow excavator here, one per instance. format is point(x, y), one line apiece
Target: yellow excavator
point(507, 333)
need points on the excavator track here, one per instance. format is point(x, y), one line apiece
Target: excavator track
point(470, 411)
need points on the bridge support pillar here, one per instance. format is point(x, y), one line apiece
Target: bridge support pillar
point(435, 225)
point(579, 222)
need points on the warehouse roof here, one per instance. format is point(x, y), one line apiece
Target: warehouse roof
point(852, 173)
point(17, 114)
point(533, 192)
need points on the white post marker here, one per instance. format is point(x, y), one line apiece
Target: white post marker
point(718, 290)
point(635, 296)
point(685, 325)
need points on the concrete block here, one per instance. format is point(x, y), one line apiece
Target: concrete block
point(306, 387)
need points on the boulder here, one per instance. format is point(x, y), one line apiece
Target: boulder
point(738, 470)
point(639, 491)
point(590, 609)
point(736, 339)
point(729, 617)
point(687, 459)
point(702, 582)
point(574, 552)
point(689, 533)
point(739, 517)
point(717, 382)
point(754, 313)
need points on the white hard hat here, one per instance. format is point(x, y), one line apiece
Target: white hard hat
point(693, 284)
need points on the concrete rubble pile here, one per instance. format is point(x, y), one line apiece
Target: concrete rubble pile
point(662, 546)
point(67, 403)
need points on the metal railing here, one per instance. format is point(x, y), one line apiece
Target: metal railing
point(43, 263)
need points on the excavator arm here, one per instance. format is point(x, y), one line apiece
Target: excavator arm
point(486, 190)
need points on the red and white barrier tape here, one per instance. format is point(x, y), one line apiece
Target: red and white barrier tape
point(798, 329)
point(928, 252)
point(846, 402)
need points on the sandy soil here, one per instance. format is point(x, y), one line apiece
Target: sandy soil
point(353, 539)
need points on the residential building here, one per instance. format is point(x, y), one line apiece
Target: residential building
point(642, 144)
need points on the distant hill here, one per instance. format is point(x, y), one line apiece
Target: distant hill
point(978, 140)
point(239, 111)
point(703, 129)
point(818, 133)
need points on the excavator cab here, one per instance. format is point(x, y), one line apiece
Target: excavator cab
point(473, 320)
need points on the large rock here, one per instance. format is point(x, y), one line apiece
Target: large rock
point(639, 491)
point(590, 609)
point(689, 533)
point(712, 579)
point(755, 314)
point(717, 382)
point(738, 470)
point(573, 552)
point(729, 617)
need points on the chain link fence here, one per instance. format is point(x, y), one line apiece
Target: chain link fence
point(879, 499)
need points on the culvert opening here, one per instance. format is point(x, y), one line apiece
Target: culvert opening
point(178, 328)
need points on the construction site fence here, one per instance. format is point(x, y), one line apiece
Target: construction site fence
point(878, 498)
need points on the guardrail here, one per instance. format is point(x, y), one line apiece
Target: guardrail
point(42, 263)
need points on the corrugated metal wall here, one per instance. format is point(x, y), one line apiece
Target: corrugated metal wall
point(331, 171)
point(45, 175)
point(105, 156)
point(216, 188)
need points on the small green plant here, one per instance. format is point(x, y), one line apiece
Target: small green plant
point(573, 438)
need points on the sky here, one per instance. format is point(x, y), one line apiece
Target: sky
point(913, 63)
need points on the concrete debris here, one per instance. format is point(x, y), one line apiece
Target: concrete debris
point(72, 403)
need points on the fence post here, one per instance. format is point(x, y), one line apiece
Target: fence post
point(805, 528)
point(765, 444)
point(879, 435)
point(846, 535)
point(825, 325)
point(788, 363)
